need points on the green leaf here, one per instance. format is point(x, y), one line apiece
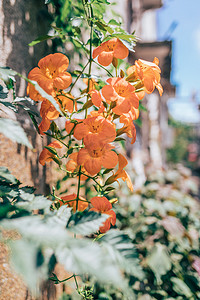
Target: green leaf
point(7, 177)
point(119, 139)
point(159, 261)
point(41, 39)
point(32, 202)
point(6, 74)
point(83, 257)
point(13, 130)
point(123, 252)
point(88, 104)
point(46, 96)
point(106, 171)
point(9, 105)
point(86, 222)
point(34, 122)
point(180, 287)
point(108, 189)
point(24, 258)
point(51, 150)
point(3, 92)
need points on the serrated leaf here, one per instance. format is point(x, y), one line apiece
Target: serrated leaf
point(123, 252)
point(13, 130)
point(24, 257)
point(32, 202)
point(86, 222)
point(7, 177)
point(159, 261)
point(84, 257)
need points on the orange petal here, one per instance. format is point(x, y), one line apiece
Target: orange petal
point(69, 126)
point(56, 61)
point(62, 81)
point(83, 156)
point(105, 58)
point(109, 159)
point(123, 106)
point(121, 51)
point(101, 204)
point(97, 51)
point(112, 215)
point(96, 98)
point(93, 165)
point(80, 131)
point(109, 93)
point(44, 125)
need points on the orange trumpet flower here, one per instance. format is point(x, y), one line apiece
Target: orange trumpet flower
point(72, 165)
point(122, 92)
point(97, 155)
point(102, 205)
point(149, 73)
point(71, 201)
point(121, 173)
point(46, 155)
point(51, 74)
point(113, 48)
point(95, 127)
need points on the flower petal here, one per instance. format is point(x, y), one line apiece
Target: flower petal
point(109, 159)
point(105, 58)
point(120, 51)
point(80, 131)
point(109, 93)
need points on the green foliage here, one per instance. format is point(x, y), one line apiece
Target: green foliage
point(13, 130)
point(49, 234)
point(184, 134)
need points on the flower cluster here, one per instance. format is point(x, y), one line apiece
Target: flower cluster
point(115, 107)
point(52, 77)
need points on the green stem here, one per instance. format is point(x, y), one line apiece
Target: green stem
point(92, 179)
point(77, 78)
point(102, 67)
point(75, 281)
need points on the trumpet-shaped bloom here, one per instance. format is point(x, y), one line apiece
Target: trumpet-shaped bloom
point(46, 155)
point(149, 73)
point(95, 128)
point(122, 92)
point(129, 127)
point(33, 93)
point(102, 205)
point(51, 73)
point(66, 102)
point(71, 201)
point(97, 155)
point(97, 100)
point(48, 112)
point(72, 165)
point(113, 48)
point(121, 173)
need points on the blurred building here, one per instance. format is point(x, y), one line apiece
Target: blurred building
point(155, 135)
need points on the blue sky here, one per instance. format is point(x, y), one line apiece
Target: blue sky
point(186, 43)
